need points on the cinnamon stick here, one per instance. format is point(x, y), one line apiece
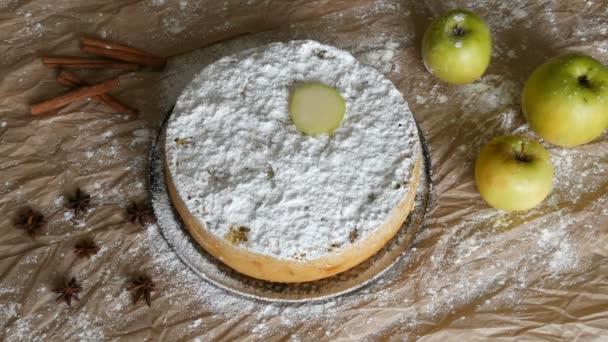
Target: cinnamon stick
point(121, 66)
point(68, 77)
point(74, 95)
point(87, 63)
point(113, 46)
point(71, 80)
point(71, 60)
point(150, 61)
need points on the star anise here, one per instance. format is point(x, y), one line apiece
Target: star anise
point(86, 248)
point(140, 214)
point(80, 202)
point(31, 221)
point(69, 290)
point(143, 286)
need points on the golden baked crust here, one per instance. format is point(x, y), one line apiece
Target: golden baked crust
point(288, 271)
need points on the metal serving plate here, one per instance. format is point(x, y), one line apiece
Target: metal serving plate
point(215, 272)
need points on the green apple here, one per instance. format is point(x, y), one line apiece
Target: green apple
point(565, 100)
point(316, 108)
point(457, 47)
point(513, 173)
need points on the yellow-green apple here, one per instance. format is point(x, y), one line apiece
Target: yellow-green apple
point(316, 108)
point(513, 173)
point(565, 100)
point(457, 47)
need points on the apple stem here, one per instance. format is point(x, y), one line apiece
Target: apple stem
point(458, 31)
point(521, 154)
point(584, 81)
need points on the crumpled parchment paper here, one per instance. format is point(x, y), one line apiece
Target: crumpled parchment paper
point(473, 274)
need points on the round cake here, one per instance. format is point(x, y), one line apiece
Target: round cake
point(271, 201)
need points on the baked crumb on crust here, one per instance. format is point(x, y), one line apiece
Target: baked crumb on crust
point(237, 235)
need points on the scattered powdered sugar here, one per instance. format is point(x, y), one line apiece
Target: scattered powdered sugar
point(602, 46)
point(489, 94)
point(484, 253)
point(380, 54)
point(550, 17)
point(8, 311)
point(573, 174)
point(21, 330)
point(104, 32)
point(229, 305)
point(478, 258)
point(458, 17)
point(195, 324)
point(507, 120)
point(435, 96)
point(484, 260)
point(381, 49)
point(563, 254)
point(141, 136)
point(83, 328)
point(32, 28)
point(244, 164)
point(107, 134)
point(480, 254)
point(508, 15)
point(519, 13)
point(177, 15)
point(173, 25)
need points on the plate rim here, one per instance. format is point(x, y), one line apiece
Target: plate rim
point(153, 181)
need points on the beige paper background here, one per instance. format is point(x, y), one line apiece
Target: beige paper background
point(474, 274)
